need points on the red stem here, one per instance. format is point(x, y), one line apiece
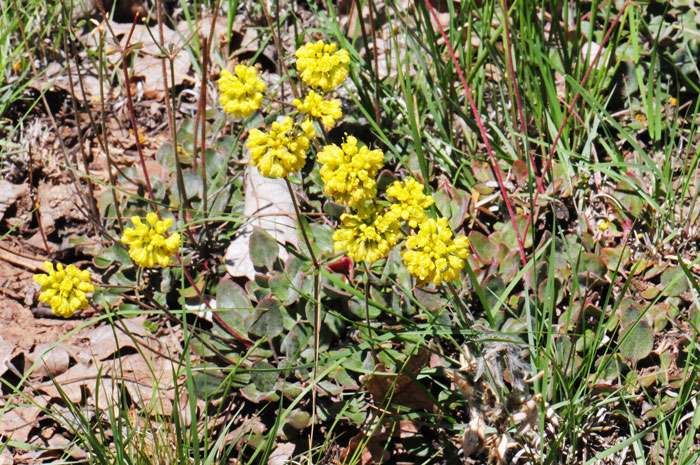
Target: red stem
point(570, 108)
point(132, 117)
point(132, 114)
point(484, 136)
point(516, 91)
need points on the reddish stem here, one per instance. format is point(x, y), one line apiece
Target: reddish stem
point(484, 136)
point(516, 91)
point(132, 117)
point(132, 114)
point(570, 108)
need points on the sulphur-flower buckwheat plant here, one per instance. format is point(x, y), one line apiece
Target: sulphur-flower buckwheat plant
point(369, 235)
point(65, 290)
point(241, 94)
point(282, 150)
point(411, 201)
point(148, 245)
point(433, 255)
point(317, 107)
point(321, 65)
point(348, 172)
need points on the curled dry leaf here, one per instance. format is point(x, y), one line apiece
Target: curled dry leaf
point(50, 361)
point(268, 206)
point(282, 453)
point(6, 351)
point(474, 437)
point(398, 389)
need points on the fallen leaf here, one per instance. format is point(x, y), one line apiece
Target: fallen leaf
point(281, 454)
point(268, 206)
point(372, 451)
point(54, 362)
point(9, 193)
point(400, 389)
point(474, 436)
point(6, 351)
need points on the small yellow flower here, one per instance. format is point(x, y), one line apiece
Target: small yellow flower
point(65, 290)
point(147, 243)
point(673, 101)
point(282, 150)
point(241, 94)
point(348, 172)
point(17, 66)
point(640, 117)
point(321, 66)
point(316, 107)
point(411, 201)
point(603, 225)
point(367, 236)
point(432, 255)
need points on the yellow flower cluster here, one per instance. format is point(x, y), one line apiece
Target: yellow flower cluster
point(317, 107)
point(348, 172)
point(321, 65)
point(241, 94)
point(147, 243)
point(282, 150)
point(369, 235)
point(65, 290)
point(433, 255)
point(412, 202)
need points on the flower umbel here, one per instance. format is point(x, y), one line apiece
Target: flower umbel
point(65, 290)
point(316, 107)
point(367, 236)
point(432, 255)
point(282, 150)
point(321, 66)
point(147, 243)
point(348, 172)
point(241, 94)
point(411, 201)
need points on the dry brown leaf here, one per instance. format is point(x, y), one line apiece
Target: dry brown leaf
point(57, 203)
point(71, 383)
point(269, 207)
point(54, 362)
point(9, 193)
point(372, 448)
point(474, 437)
point(238, 435)
point(102, 343)
point(401, 389)
point(6, 457)
point(6, 351)
point(16, 423)
point(408, 428)
point(139, 376)
point(281, 454)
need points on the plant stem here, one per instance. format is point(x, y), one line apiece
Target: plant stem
point(369, 326)
point(317, 312)
point(464, 313)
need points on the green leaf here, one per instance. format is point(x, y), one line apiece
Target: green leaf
point(207, 385)
point(233, 304)
point(493, 289)
point(674, 281)
point(637, 342)
point(264, 376)
point(166, 157)
point(267, 319)
point(298, 419)
point(263, 249)
point(483, 246)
